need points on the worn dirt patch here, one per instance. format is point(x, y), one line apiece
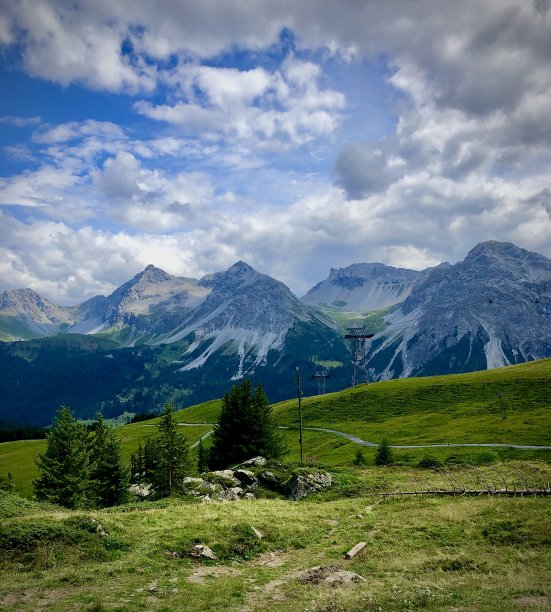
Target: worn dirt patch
point(270, 559)
point(202, 573)
point(540, 602)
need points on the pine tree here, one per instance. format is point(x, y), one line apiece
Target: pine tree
point(202, 457)
point(245, 428)
point(109, 475)
point(173, 461)
point(383, 455)
point(65, 466)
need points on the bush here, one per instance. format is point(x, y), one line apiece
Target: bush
point(429, 462)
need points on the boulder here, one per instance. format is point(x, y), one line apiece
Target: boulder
point(200, 551)
point(245, 477)
point(223, 477)
point(141, 490)
point(254, 462)
point(302, 483)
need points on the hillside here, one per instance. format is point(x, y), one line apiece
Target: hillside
point(507, 405)
point(470, 553)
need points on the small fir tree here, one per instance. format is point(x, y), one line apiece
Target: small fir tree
point(245, 428)
point(383, 455)
point(202, 457)
point(359, 459)
point(109, 475)
point(65, 466)
point(172, 455)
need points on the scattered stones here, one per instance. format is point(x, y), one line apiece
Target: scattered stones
point(99, 528)
point(201, 551)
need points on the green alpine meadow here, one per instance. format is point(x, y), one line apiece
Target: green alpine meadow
point(442, 526)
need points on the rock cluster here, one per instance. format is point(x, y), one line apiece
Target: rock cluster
point(242, 483)
point(247, 480)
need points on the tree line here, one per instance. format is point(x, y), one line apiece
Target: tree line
point(84, 467)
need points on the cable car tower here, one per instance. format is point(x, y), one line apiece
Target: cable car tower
point(359, 337)
point(321, 377)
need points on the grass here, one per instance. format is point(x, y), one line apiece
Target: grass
point(508, 405)
point(422, 553)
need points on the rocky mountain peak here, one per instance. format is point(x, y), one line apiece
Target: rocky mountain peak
point(152, 274)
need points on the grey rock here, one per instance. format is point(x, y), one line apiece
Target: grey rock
point(254, 462)
point(201, 551)
point(302, 484)
point(141, 490)
point(245, 477)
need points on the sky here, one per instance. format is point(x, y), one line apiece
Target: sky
point(297, 136)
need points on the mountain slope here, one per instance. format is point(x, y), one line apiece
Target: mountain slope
point(25, 315)
point(490, 310)
point(363, 287)
point(246, 314)
point(141, 309)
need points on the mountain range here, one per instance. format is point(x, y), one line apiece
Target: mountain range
point(184, 339)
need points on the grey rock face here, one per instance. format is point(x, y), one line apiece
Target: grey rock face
point(363, 287)
point(490, 310)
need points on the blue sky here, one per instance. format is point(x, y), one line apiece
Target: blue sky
point(295, 136)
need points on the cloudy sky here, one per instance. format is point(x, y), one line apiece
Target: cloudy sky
point(296, 135)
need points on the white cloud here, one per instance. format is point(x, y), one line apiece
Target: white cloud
point(20, 121)
point(468, 161)
point(283, 107)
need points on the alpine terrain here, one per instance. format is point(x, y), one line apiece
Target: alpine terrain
point(160, 337)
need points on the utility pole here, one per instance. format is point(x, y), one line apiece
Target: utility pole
point(299, 392)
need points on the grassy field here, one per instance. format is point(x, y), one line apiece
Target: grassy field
point(428, 553)
point(509, 405)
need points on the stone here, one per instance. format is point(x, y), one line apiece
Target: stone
point(99, 528)
point(201, 551)
point(254, 462)
point(303, 483)
point(249, 496)
point(223, 477)
point(141, 490)
point(269, 479)
point(257, 533)
point(245, 477)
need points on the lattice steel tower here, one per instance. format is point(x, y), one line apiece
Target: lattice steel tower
point(359, 337)
point(321, 377)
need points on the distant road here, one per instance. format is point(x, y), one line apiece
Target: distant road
point(366, 443)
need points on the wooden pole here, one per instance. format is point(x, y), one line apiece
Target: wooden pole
point(299, 392)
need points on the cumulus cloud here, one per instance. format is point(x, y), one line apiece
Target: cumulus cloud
point(286, 106)
point(468, 160)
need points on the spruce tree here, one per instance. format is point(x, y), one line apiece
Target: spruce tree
point(109, 475)
point(245, 428)
point(65, 466)
point(202, 457)
point(173, 460)
point(383, 455)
